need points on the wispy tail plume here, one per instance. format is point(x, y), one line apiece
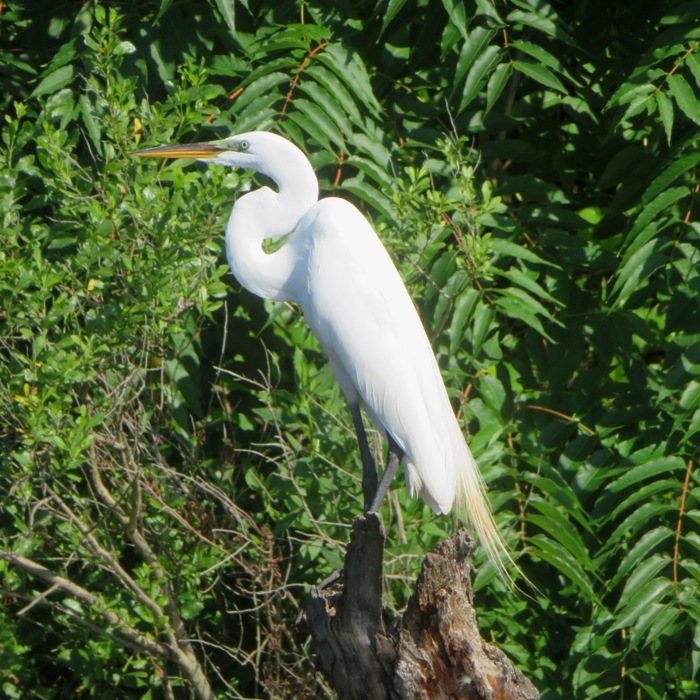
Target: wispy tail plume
point(472, 507)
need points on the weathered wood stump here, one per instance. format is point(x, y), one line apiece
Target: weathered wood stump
point(435, 652)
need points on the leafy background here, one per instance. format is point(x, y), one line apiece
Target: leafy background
point(177, 462)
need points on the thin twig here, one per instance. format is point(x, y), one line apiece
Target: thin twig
point(295, 82)
point(681, 512)
point(571, 419)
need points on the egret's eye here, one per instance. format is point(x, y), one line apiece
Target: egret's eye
point(243, 145)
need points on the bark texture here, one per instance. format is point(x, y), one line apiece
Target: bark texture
point(434, 653)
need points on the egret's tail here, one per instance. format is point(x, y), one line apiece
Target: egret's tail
point(471, 506)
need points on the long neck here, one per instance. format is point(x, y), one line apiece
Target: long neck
point(264, 214)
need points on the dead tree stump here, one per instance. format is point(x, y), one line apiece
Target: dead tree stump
point(434, 653)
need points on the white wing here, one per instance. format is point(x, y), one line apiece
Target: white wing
point(358, 307)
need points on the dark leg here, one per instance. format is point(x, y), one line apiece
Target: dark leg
point(392, 465)
point(369, 471)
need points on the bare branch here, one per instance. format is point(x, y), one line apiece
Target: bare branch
point(187, 662)
point(73, 589)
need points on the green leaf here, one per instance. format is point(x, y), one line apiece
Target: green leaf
point(477, 75)
point(519, 278)
point(642, 514)
point(694, 65)
point(684, 96)
point(457, 14)
point(690, 399)
point(333, 86)
point(669, 175)
point(475, 45)
point(557, 525)
point(666, 113)
point(646, 593)
point(326, 103)
point(644, 471)
point(493, 394)
point(54, 81)
point(640, 266)
point(631, 92)
point(260, 85)
point(463, 313)
point(561, 559)
point(642, 231)
point(512, 306)
point(374, 197)
point(227, 8)
point(165, 67)
point(656, 620)
point(642, 549)
point(545, 20)
point(487, 9)
point(321, 121)
point(371, 169)
point(91, 125)
point(541, 55)
point(348, 66)
point(540, 73)
point(374, 148)
point(392, 9)
point(483, 326)
point(511, 249)
point(497, 81)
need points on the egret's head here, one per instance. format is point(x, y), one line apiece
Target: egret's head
point(266, 153)
point(258, 150)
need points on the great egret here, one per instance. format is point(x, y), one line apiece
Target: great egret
point(335, 267)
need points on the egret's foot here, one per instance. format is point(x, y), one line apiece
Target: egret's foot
point(329, 580)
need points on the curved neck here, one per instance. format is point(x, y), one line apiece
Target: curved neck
point(264, 214)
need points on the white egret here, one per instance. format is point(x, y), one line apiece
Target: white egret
point(335, 267)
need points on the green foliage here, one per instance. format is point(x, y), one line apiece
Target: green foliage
point(179, 452)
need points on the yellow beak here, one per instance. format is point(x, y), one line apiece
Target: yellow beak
point(189, 150)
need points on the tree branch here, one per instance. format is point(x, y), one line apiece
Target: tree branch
point(136, 639)
point(171, 651)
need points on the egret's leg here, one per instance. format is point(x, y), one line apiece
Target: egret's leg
point(392, 466)
point(369, 471)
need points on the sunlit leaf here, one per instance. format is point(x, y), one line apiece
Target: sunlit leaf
point(642, 550)
point(478, 74)
point(392, 9)
point(540, 73)
point(666, 111)
point(685, 97)
point(474, 46)
point(227, 8)
point(348, 66)
point(54, 81)
point(645, 594)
